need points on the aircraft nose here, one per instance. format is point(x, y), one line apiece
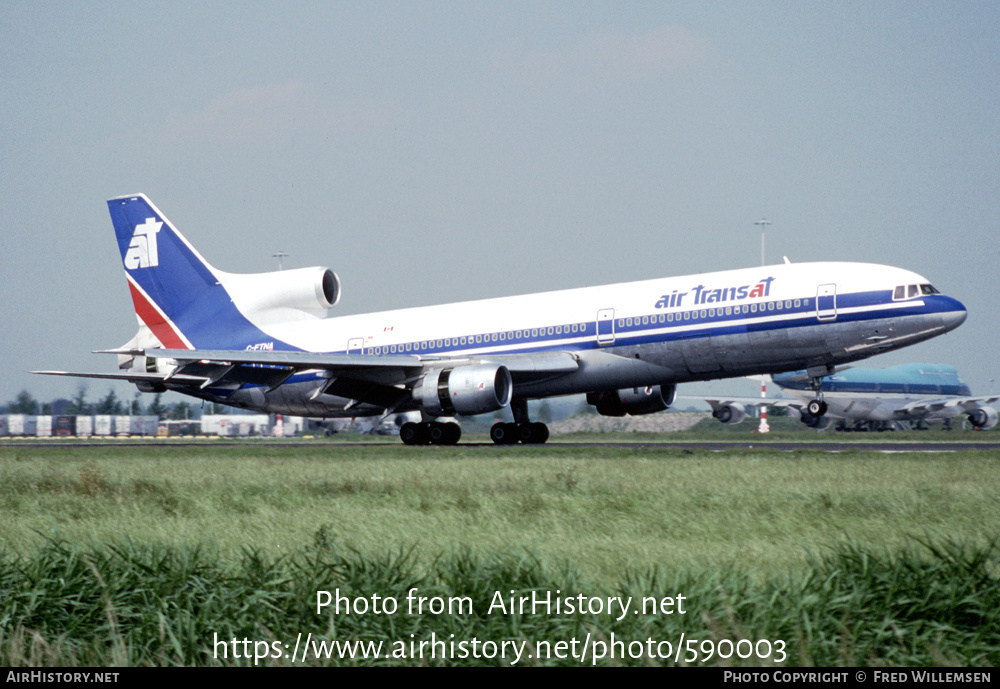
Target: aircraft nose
point(953, 315)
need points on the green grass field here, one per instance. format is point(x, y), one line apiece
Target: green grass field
point(595, 519)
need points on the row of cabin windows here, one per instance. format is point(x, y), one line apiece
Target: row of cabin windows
point(711, 313)
point(506, 336)
point(581, 328)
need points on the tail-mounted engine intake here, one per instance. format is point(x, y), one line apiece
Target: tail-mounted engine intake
point(307, 289)
point(474, 389)
point(984, 418)
point(634, 401)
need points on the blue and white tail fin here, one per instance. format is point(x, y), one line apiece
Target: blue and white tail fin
point(176, 293)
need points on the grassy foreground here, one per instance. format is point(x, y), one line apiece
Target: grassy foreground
point(147, 555)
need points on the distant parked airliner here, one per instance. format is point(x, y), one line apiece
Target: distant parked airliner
point(265, 341)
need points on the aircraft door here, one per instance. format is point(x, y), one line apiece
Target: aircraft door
point(355, 344)
point(826, 302)
point(606, 327)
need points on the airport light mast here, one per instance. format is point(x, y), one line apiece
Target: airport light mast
point(763, 427)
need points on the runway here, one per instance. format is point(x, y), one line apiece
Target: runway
point(719, 446)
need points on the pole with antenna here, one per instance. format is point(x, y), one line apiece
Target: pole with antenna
point(764, 427)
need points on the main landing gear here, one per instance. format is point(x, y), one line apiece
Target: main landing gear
point(522, 430)
point(816, 407)
point(430, 433)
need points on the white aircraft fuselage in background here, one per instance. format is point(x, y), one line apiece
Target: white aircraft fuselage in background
point(265, 341)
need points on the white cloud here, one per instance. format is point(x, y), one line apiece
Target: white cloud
point(605, 58)
point(244, 114)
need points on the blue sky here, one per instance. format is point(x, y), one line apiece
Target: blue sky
point(444, 151)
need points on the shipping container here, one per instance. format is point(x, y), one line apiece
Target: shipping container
point(63, 426)
point(84, 426)
point(104, 425)
point(22, 424)
point(123, 424)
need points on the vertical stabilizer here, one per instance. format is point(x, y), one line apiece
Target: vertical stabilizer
point(176, 293)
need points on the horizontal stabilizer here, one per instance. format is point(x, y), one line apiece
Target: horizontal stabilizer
point(132, 377)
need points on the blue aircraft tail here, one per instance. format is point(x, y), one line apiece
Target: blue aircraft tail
point(175, 291)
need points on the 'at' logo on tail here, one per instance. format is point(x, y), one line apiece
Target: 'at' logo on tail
point(142, 251)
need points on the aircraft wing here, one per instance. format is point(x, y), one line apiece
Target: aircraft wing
point(379, 380)
point(383, 381)
point(957, 404)
point(377, 369)
point(716, 402)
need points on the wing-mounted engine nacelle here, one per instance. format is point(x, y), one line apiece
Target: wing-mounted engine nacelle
point(730, 413)
point(306, 289)
point(634, 401)
point(984, 418)
point(473, 389)
point(820, 423)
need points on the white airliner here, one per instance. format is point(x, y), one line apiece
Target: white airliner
point(265, 341)
point(894, 397)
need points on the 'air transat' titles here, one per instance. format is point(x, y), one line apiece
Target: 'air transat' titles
point(707, 295)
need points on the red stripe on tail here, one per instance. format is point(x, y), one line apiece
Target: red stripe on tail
point(165, 331)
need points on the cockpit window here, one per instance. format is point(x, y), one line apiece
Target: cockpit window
point(911, 291)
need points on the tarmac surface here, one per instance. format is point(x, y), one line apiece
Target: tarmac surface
point(886, 446)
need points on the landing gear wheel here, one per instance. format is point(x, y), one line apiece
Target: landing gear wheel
point(532, 433)
point(539, 433)
point(447, 433)
point(816, 408)
point(524, 432)
point(503, 433)
point(433, 433)
point(413, 433)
